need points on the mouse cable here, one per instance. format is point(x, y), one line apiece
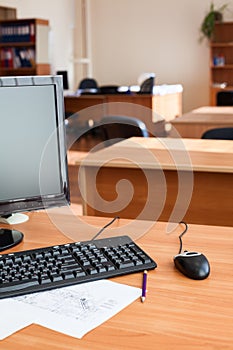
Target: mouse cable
point(104, 227)
point(181, 235)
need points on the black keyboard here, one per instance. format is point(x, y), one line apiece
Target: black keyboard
point(63, 265)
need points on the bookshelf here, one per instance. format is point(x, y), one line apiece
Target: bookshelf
point(221, 59)
point(24, 47)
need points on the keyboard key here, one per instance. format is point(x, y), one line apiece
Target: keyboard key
point(19, 285)
point(125, 264)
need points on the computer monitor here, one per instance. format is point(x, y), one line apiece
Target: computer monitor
point(64, 75)
point(32, 150)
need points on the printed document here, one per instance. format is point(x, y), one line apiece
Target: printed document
point(73, 310)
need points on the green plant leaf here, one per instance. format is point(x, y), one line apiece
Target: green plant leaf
point(207, 26)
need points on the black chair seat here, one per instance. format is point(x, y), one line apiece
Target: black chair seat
point(109, 89)
point(225, 98)
point(219, 134)
point(88, 86)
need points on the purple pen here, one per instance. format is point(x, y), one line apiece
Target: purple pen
point(143, 297)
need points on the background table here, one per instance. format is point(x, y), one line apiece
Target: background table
point(196, 122)
point(153, 110)
point(143, 162)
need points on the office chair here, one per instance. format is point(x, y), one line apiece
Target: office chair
point(219, 134)
point(225, 98)
point(116, 128)
point(146, 82)
point(147, 86)
point(83, 133)
point(88, 86)
point(109, 89)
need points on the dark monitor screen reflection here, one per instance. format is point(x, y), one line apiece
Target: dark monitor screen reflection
point(32, 149)
point(64, 75)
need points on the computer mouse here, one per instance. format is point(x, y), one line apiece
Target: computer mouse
point(193, 265)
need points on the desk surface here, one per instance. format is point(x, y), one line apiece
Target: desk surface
point(195, 123)
point(207, 114)
point(166, 153)
point(179, 313)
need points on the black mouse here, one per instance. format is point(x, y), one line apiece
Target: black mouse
point(193, 265)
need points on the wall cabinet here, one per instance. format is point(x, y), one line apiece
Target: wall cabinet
point(24, 47)
point(221, 59)
point(7, 13)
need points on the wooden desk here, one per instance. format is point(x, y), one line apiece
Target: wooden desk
point(161, 174)
point(153, 110)
point(179, 313)
point(196, 122)
point(73, 168)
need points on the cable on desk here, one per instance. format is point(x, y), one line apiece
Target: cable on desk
point(103, 228)
point(181, 235)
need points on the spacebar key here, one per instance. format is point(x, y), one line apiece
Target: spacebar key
point(18, 285)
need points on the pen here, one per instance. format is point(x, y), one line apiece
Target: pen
point(143, 297)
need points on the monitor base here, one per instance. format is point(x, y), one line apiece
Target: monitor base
point(9, 238)
point(13, 219)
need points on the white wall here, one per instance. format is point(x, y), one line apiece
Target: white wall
point(130, 37)
point(61, 16)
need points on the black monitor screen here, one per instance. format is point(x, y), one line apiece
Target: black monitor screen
point(64, 75)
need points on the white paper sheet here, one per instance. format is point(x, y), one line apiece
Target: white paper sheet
point(14, 316)
point(73, 310)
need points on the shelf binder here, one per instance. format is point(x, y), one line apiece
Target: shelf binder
point(16, 33)
point(17, 57)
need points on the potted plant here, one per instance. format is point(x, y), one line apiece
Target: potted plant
point(214, 15)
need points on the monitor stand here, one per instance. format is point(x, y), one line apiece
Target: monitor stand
point(10, 237)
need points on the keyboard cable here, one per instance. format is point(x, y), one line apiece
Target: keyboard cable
point(104, 227)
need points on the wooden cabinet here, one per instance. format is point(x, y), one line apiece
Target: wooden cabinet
point(221, 59)
point(7, 13)
point(94, 107)
point(24, 47)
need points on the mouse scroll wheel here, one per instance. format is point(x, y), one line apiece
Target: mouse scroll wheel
point(191, 253)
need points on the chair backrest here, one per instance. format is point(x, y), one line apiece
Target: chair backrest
point(225, 98)
point(88, 85)
point(117, 128)
point(109, 89)
point(147, 86)
point(219, 134)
